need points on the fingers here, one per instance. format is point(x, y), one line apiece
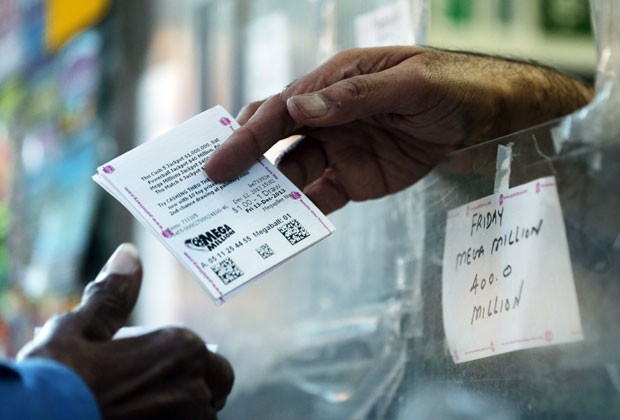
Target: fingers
point(134, 363)
point(306, 164)
point(172, 365)
point(180, 398)
point(266, 122)
point(354, 98)
point(110, 298)
point(247, 111)
point(220, 378)
point(327, 194)
point(353, 84)
point(269, 124)
point(303, 162)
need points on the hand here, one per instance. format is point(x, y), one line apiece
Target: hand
point(168, 373)
point(376, 120)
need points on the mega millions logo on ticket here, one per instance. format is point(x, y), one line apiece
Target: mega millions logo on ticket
point(225, 234)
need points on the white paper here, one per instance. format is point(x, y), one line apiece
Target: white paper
point(507, 277)
point(225, 234)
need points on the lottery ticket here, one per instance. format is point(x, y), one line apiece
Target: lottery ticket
point(225, 234)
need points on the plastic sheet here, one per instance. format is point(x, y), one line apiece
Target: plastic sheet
point(598, 122)
point(571, 380)
point(366, 338)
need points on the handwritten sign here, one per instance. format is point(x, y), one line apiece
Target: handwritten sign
point(507, 279)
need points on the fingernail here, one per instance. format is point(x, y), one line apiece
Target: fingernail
point(312, 106)
point(124, 261)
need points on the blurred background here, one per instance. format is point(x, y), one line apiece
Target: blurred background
point(336, 333)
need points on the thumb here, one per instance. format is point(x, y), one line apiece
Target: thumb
point(109, 299)
point(350, 99)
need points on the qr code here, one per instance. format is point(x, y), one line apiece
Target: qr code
point(227, 270)
point(294, 232)
point(265, 251)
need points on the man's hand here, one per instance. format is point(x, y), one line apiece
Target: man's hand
point(168, 373)
point(376, 120)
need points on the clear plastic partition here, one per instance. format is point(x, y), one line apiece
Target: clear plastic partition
point(367, 338)
point(353, 328)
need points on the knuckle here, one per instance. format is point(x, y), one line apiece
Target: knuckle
point(290, 90)
point(344, 55)
point(201, 392)
point(91, 287)
point(58, 319)
point(358, 88)
point(251, 107)
point(228, 377)
point(109, 301)
point(221, 375)
point(254, 143)
point(106, 293)
point(183, 338)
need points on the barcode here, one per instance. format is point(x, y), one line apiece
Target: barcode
point(227, 270)
point(264, 251)
point(294, 232)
